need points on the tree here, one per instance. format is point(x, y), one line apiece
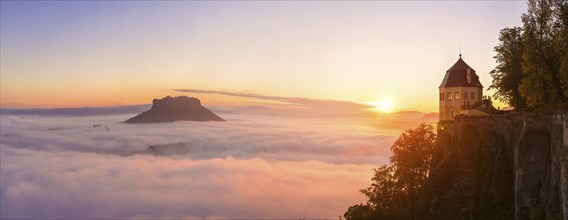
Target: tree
point(561, 41)
point(544, 82)
point(412, 153)
point(508, 73)
point(384, 194)
point(359, 212)
point(397, 187)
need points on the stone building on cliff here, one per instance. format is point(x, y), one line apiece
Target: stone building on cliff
point(490, 164)
point(461, 93)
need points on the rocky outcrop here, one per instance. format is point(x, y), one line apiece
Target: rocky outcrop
point(509, 166)
point(169, 109)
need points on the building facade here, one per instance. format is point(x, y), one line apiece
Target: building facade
point(459, 90)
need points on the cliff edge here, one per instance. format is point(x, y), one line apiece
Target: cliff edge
point(169, 109)
point(511, 166)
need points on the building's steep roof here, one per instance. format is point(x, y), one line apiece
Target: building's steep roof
point(461, 74)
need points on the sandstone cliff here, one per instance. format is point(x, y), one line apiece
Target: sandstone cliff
point(181, 108)
point(511, 166)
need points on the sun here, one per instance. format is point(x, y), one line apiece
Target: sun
point(385, 105)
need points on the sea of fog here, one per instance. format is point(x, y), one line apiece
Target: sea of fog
point(261, 163)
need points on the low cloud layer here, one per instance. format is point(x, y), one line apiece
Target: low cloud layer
point(252, 166)
point(66, 184)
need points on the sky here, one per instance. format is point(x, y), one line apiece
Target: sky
point(106, 53)
point(294, 80)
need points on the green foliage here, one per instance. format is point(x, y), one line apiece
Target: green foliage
point(397, 187)
point(508, 73)
point(542, 80)
point(541, 86)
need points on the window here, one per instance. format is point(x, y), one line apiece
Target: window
point(457, 96)
point(449, 96)
point(453, 114)
point(465, 95)
point(472, 94)
point(442, 96)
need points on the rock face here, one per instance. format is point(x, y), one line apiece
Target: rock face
point(169, 109)
point(499, 167)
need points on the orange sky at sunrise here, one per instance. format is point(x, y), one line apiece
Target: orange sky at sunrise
point(73, 54)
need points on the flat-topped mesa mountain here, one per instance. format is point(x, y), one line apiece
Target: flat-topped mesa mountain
point(169, 109)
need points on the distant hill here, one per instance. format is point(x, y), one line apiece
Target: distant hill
point(83, 111)
point(169, 109)
point(407, 112)
point(430, 115)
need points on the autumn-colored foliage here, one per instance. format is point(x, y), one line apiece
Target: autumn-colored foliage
point(532, 61)
point(397, 187)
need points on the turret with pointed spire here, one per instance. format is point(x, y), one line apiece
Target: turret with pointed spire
point(460, 87)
